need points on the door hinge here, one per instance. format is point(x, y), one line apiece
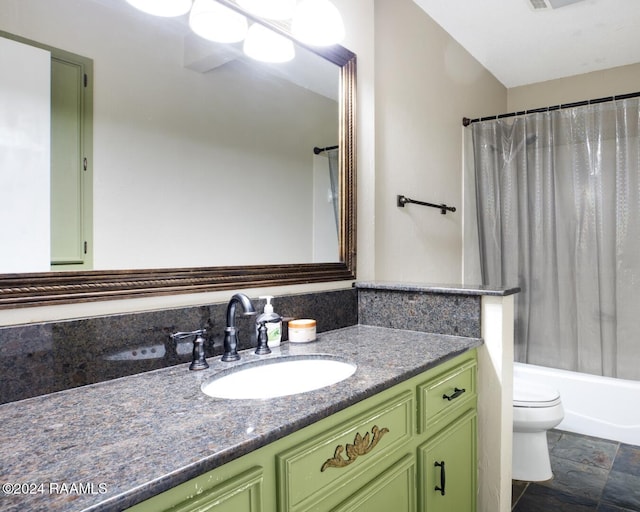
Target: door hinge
point(85, 163)
point(86, 79)
point(86, 247)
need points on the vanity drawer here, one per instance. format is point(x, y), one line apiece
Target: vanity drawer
point(445, 393)
point(335, 463)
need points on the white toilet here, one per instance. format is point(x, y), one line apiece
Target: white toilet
point(536, 409)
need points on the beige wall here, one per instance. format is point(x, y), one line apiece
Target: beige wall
point(610, 82)
point(425, 84)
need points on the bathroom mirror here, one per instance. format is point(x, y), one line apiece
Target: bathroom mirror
point(253, 245)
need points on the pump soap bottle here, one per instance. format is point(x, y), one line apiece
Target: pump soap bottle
point(274, 329)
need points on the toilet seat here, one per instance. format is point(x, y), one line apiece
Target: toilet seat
point(533, 394)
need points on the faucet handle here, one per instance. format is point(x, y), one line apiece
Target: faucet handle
point(187, 334)
point(263, 340)
point(198, 361)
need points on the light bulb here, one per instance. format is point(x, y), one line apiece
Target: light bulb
point(317, 23)
point(267, 46)
point(216, 22)
point(165, 8)
point(271, 9)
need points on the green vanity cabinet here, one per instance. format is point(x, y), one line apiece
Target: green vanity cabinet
point(447, 419)
point(327, 469)
point(448, 468)
point(375, 456)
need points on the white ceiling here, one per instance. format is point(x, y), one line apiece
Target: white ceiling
point(521, 46)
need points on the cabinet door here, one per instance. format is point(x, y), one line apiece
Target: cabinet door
point(71, 195)
point(392, 490)
point(212, 492)
point(448, 471)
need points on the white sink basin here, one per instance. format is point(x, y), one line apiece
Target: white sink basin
point(278, 377)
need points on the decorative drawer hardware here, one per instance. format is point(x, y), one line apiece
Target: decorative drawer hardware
point(303, 479)
point(456, 393)
point(360, 446)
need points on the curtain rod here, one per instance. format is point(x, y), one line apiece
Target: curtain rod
point(466, 121)
point(318, 150)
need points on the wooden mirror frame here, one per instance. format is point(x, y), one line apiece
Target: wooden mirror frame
point(64, 287)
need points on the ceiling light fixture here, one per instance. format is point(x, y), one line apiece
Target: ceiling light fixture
point(270, 9)
point(313, 22)
point(215, 22)
point(267, 46)
point(164, 8)
point(317, 23)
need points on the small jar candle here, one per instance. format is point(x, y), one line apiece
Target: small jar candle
point(302, 331)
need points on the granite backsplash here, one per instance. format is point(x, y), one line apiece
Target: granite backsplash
point(456, 314)
point(37, 359)
point(42, 358)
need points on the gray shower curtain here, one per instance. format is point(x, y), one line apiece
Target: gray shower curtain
point(558, 213)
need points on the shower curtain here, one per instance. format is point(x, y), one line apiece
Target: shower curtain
point(558, 213)
point(334, 169)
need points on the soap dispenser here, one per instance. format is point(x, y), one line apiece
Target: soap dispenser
point(274, 329)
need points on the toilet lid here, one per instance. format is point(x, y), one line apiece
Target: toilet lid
point(533, 394)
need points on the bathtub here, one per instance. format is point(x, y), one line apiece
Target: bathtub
point(596, 406)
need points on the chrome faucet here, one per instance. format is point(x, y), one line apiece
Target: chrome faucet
point(230, 335)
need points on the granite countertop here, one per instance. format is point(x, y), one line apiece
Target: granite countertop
point(453, 289)
point(111, 445)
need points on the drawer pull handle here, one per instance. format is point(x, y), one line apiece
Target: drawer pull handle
point(442, 477)
point(456, 393)
point(361, 446)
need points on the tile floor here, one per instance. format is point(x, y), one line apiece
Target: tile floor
point(590, 475)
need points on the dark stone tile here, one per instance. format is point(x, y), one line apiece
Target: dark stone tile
point(539, 498)
point(606, 507)
point(585, 450)
point(518, 487)
point(581, 470)
point(576, 478)
point(622, 490)
point(628, 460)
point(553, 436)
